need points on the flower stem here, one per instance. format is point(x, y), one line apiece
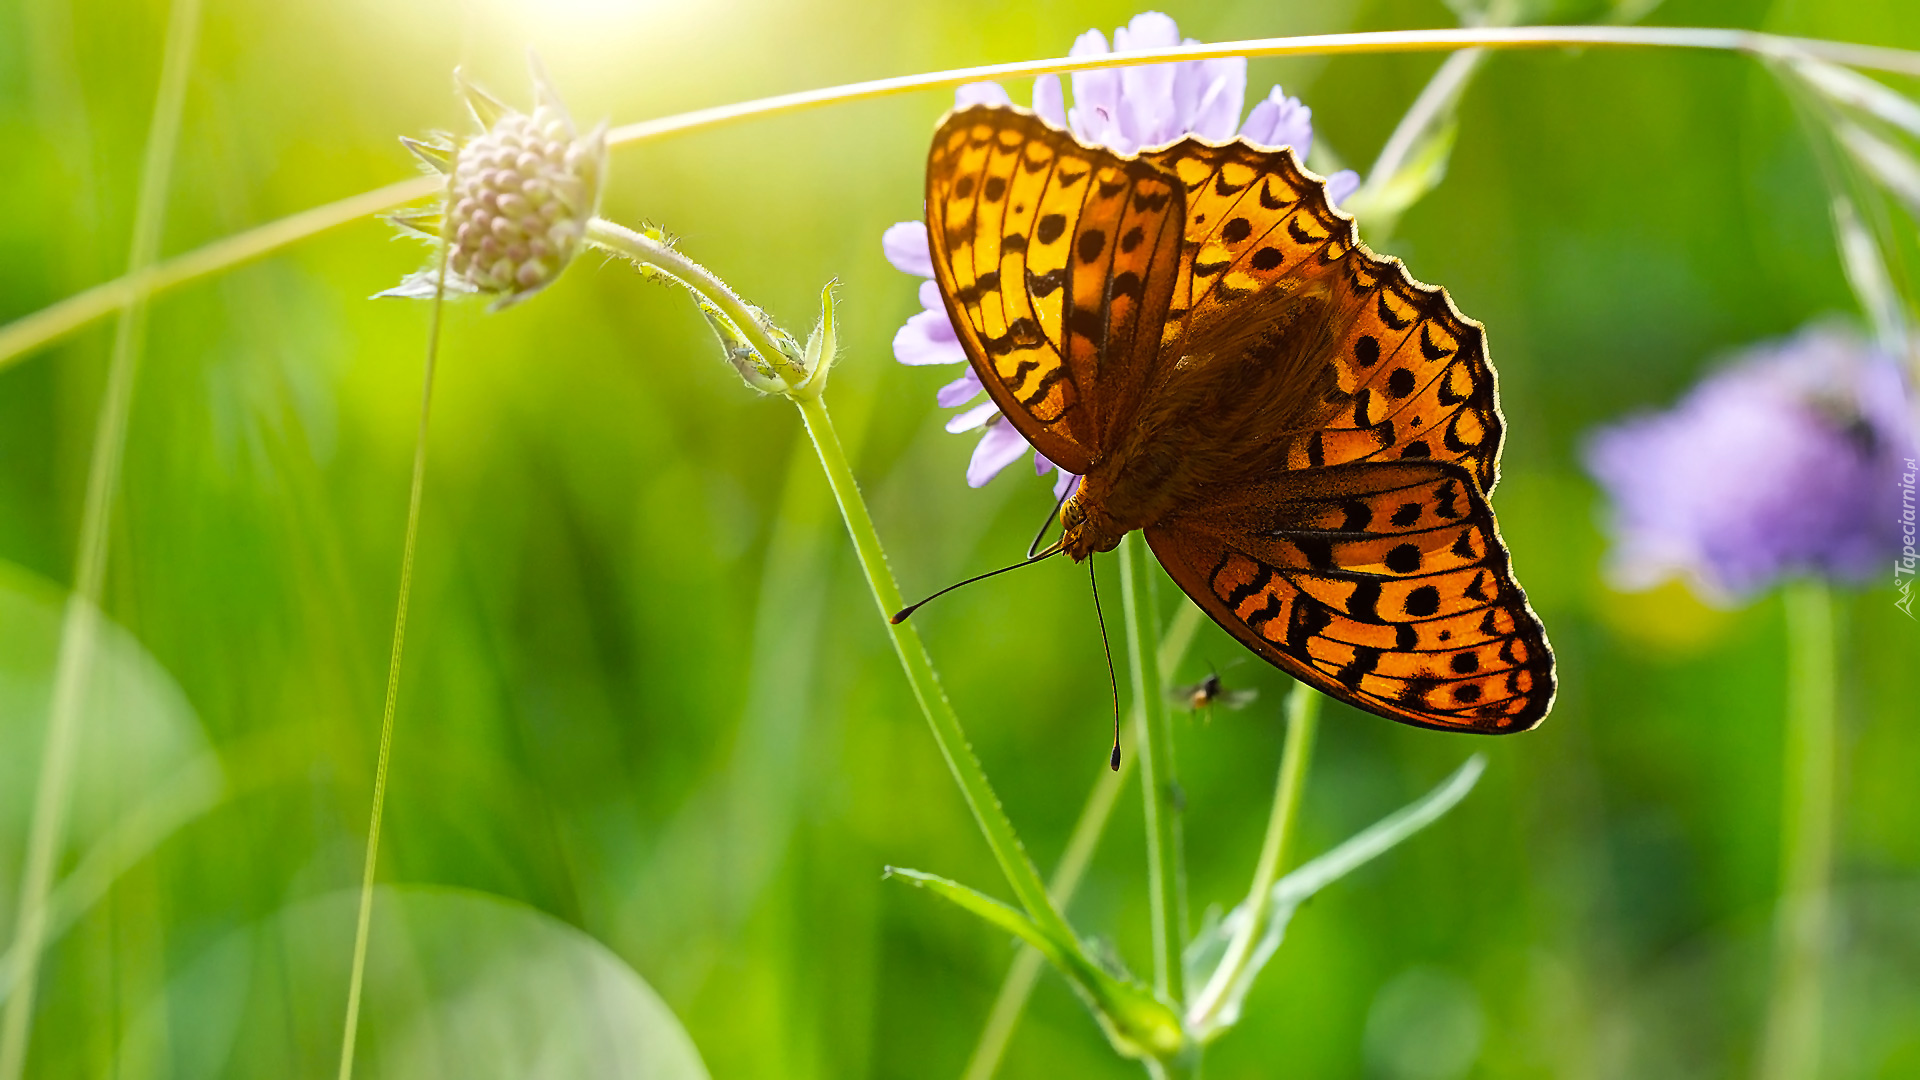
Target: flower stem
point(1092, 824)
point(947, 733)
point(79, 631)
point(57, 320)
point(1790, 1049)
point(646, 251)
point(1157, 783)
point(1303, 718)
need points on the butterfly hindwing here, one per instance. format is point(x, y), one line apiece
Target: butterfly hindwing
point(1384, 585)
point(1057, 261)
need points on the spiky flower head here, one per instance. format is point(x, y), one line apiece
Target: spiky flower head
point(518, 199)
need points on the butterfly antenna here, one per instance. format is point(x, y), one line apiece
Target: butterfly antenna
point(1033, 549)
point(1113, 683)
point(906, 612)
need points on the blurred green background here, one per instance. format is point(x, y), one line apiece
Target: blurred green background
point(645, 691)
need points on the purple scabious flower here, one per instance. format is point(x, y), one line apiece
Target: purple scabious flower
point(1123, 109)
point(1785, 462)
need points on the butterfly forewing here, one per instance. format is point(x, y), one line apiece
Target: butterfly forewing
point(1056, 261)
point(1386, 585)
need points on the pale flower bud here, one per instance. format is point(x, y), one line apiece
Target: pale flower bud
point(518, 200)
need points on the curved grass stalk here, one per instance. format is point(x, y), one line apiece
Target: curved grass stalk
point(363, 924)
point(79, 632)
point(1157, 785)
point(57, 320)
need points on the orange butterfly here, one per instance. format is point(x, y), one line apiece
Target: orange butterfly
point(1306, 434)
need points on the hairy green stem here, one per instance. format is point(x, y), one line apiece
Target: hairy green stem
point(1303, 718)
point(51, 323)
point(947, 733)
point(1087, 830)
point(79, 633)
point(1157, 783)
point(1790, 1048)
point(646, 251)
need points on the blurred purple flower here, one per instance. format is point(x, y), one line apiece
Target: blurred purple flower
point(1787, 461)
point(1123, 109)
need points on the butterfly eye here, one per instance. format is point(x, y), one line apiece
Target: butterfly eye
point(1071, 515)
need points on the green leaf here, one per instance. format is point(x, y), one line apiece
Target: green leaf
point(822, 346)
point(1137, 1023)
point(1204, 955)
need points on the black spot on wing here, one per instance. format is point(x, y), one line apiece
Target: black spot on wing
point(1364, 604)
point(988, 282)
point(1423, 601)
point(1404, 559)
point(1023, 333)
point(1039, 392)
point(1089, 323)
point(1151, 203)
point(1317, 549)
point(1308, 619)
point(1364, 661)
point(1044, 284)
point(1091, 244)
point(1359, 516)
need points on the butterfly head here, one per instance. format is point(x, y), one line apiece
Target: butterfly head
point(1086, 526)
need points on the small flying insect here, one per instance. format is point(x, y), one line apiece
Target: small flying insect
point(1209, 692)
